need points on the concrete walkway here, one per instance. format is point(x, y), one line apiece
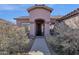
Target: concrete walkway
point(40, 45)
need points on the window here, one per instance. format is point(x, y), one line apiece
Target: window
point(26, 25)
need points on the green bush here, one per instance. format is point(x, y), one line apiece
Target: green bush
point(13, 40)
point(66, 42)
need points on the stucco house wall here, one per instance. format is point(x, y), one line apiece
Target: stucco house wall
point(73, 22)
point(39, 14)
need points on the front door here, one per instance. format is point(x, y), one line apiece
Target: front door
point(39, 28)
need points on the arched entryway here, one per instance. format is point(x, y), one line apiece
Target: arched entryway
point(39, 30)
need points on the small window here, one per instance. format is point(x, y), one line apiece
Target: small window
point(26, 25)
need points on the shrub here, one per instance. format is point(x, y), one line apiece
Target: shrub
point(13, 40)
point(66, 42)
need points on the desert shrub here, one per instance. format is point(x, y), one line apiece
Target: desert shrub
point(13, 40)
point(66, 42)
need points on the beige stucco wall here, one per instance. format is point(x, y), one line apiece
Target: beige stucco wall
point(39, 14)
point(32, 32)
point(67, 25)
point(20, 21)
point(73, 22)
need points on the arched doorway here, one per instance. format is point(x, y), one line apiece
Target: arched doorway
point(39, 27)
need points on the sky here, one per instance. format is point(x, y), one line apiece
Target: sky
point(11, 11)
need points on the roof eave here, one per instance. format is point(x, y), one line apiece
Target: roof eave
point(75, 12)
point(35, 7)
